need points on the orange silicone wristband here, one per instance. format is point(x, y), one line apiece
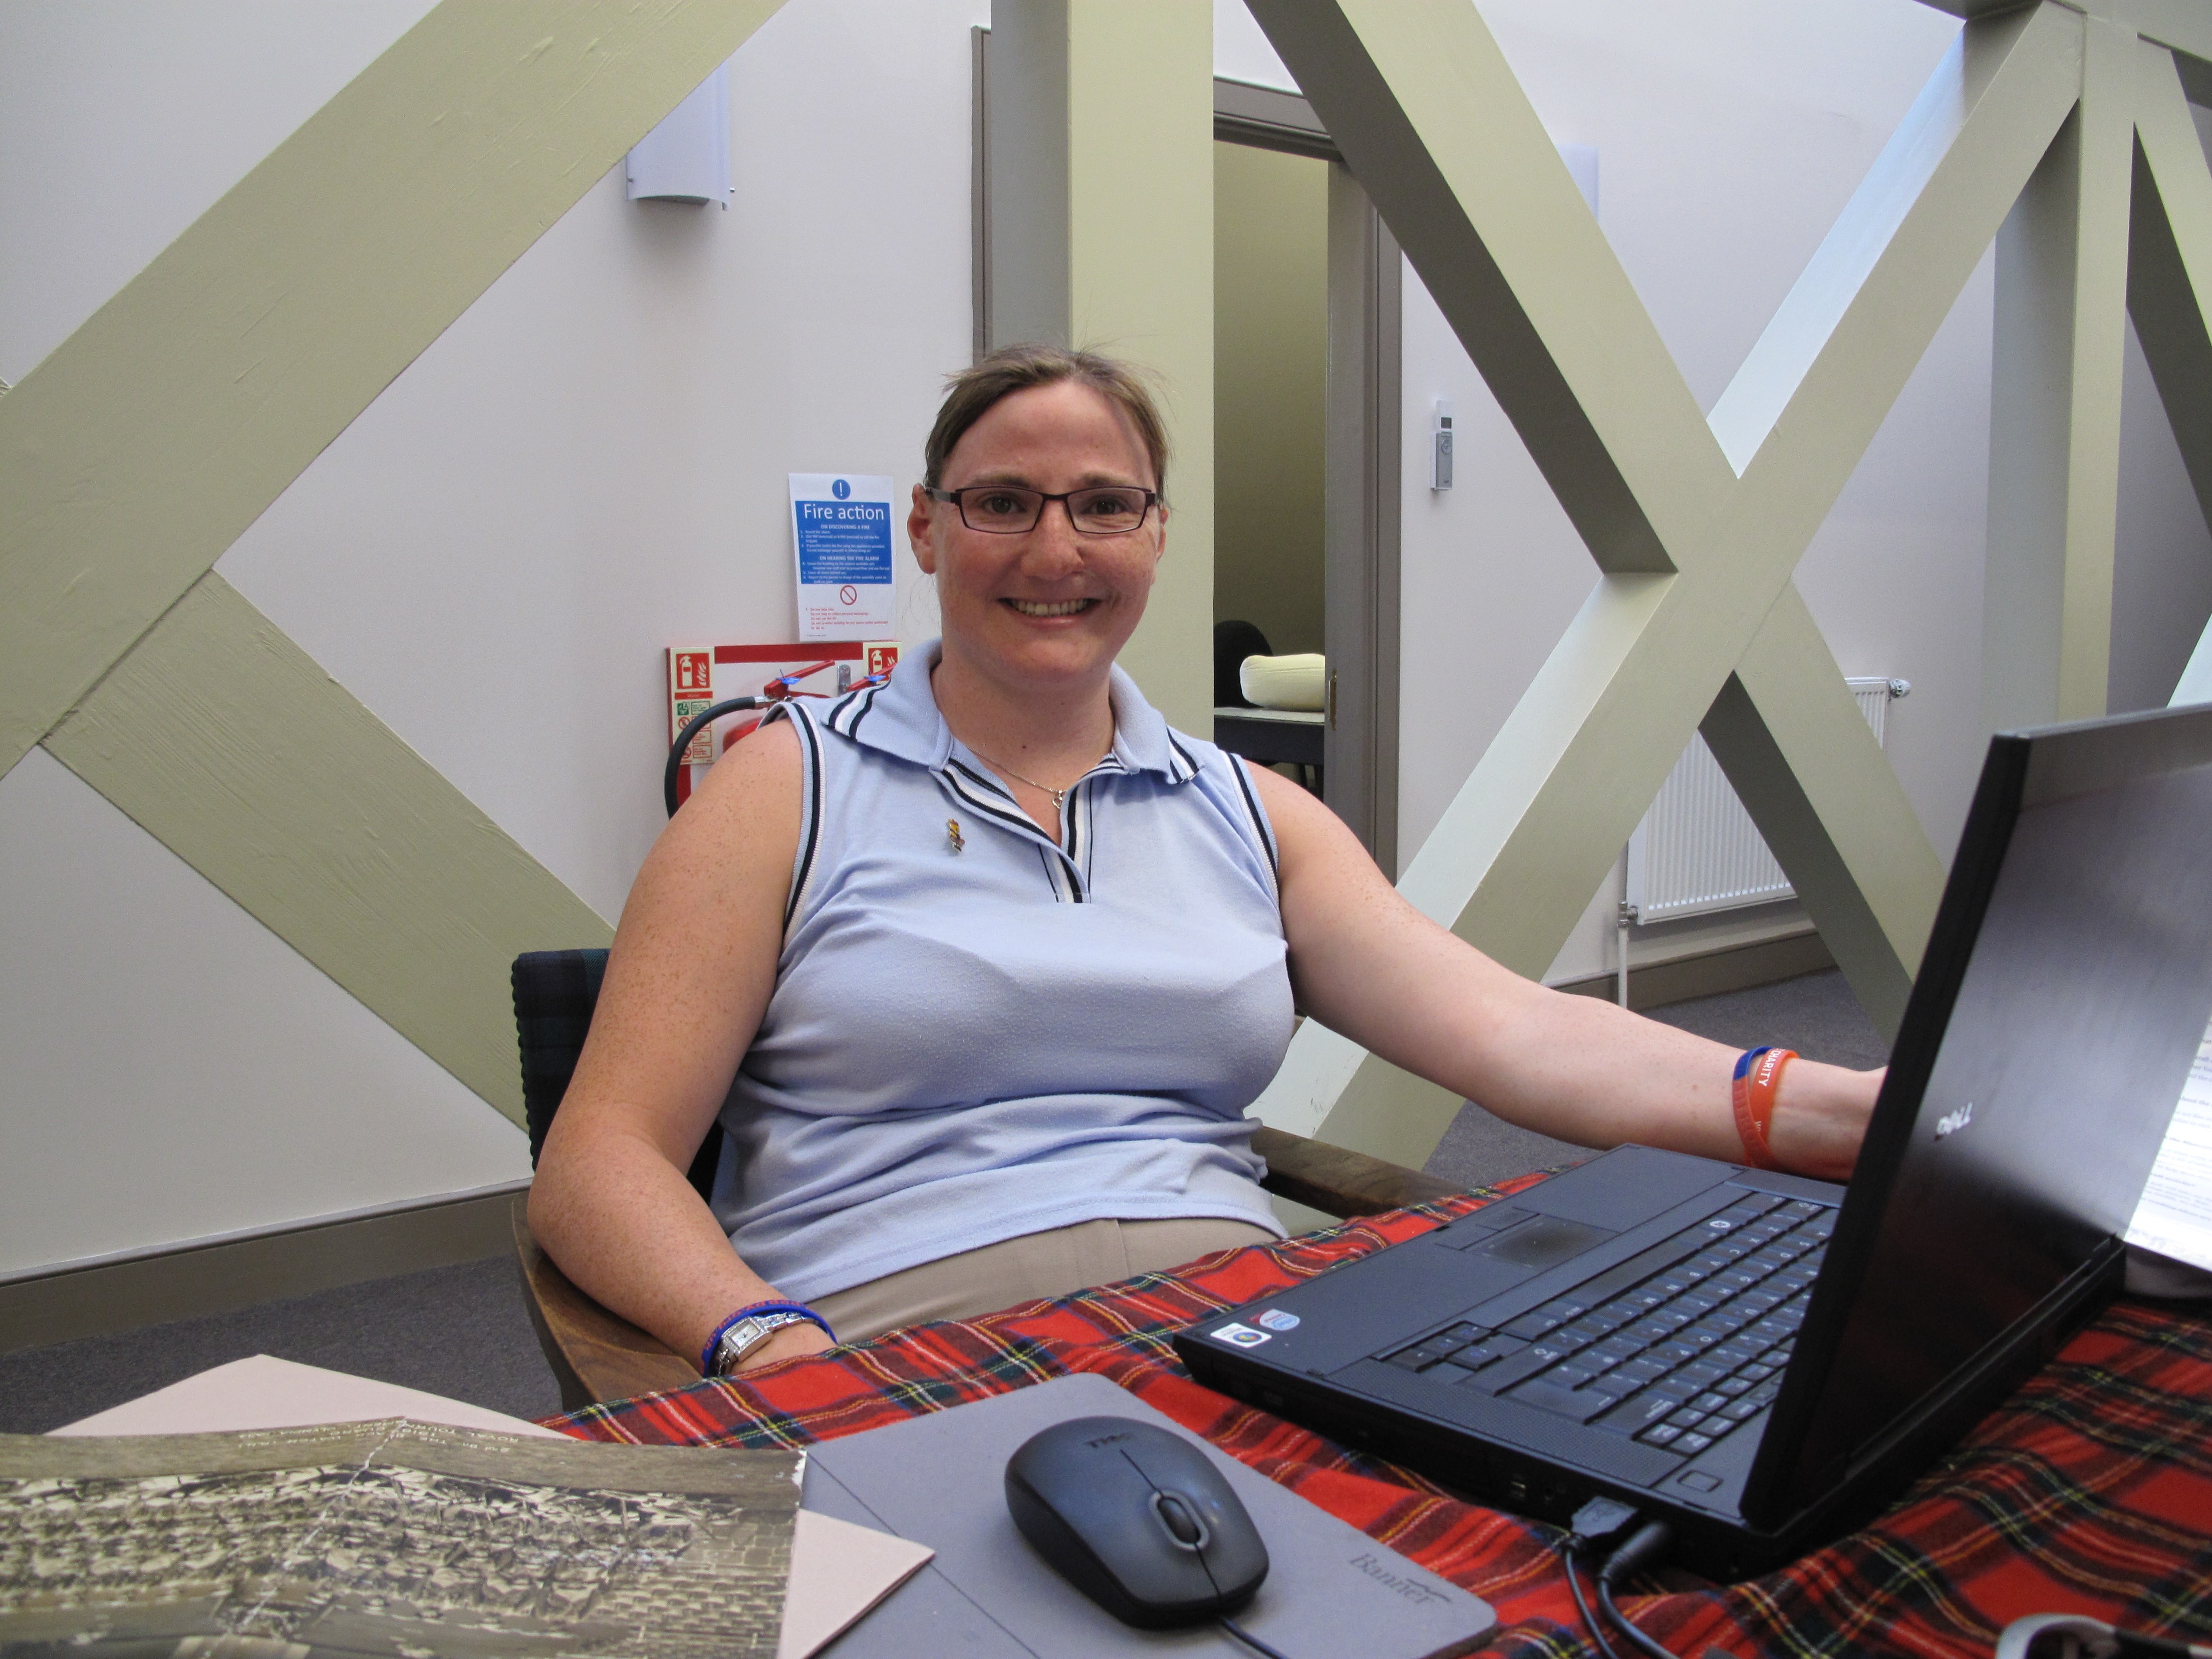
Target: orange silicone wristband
point(1754, 1088)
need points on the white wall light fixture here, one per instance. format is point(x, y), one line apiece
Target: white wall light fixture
point(687, 157)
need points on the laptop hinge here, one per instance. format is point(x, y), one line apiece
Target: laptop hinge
point(1972, 1387)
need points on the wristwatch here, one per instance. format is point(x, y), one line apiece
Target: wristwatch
point(748, 1333)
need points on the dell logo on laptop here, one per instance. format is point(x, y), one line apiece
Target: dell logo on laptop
point(1951, 1122)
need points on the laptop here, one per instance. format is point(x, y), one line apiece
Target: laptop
point(1762, 1361)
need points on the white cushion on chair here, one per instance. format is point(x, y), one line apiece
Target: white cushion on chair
point(1299, 681)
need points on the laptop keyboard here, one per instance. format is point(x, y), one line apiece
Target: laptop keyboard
point(1688, 1347)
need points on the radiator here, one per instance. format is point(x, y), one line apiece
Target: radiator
point(1697, 850)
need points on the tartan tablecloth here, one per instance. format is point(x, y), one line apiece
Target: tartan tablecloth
point(2090, 1491)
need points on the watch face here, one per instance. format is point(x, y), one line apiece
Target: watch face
point(746, 1335)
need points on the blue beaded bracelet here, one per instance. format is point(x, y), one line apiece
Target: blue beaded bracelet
point(707, 1354)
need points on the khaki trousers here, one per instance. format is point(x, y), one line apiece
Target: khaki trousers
point(1015, 1270)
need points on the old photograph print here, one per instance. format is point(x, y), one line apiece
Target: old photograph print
point(389, 1539)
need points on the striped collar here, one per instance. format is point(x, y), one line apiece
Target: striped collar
point(901, 719)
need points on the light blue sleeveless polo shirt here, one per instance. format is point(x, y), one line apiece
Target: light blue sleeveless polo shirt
point(969, 1042)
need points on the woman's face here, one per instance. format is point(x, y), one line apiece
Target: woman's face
point(1051, 605)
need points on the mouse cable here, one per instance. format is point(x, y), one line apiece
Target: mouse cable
point(1246, 1636)
point(1645, 1544)
point(1567, 1548)
point(1595, 1522)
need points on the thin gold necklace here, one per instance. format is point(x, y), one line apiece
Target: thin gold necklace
point(1059, 796)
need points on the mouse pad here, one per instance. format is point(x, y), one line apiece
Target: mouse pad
point(940, 1481)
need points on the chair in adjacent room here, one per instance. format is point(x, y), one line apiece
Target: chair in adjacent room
point(1234, 640)
point(597, 1356)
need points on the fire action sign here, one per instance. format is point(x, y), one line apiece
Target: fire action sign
point(841, 531)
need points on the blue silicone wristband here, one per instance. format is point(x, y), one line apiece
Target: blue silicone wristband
point(707, 1354)
point(1743, 1060)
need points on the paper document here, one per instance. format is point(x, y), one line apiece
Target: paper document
point(267, 1393)
point(839, 1572)
point(391, 1537)
point(2174, 1215)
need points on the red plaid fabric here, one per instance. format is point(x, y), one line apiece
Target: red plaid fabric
point(2090, 1491)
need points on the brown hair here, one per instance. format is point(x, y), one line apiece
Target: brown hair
point(1018, 367)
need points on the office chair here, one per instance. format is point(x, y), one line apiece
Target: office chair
point(595, 1356)
point(1233, 641)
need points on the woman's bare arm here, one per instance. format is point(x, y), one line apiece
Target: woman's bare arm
point(692, 968)
point(1366, 964)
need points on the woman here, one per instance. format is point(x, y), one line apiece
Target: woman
point(979, 969)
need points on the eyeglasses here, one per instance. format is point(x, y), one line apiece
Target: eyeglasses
point(1009, 510)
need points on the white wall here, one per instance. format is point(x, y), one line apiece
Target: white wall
point(172, 1070)
point(1241, 51)
point(2162, 568)
point(589, 465)
point(1731, 134)
point(122, 121)
point(586, 467)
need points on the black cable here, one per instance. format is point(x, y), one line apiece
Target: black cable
point(704, 717)
point(1247, 1637)
point(1645, 1544)
point(1597, 1521)
point(1567, 1547)
point(1643, 1641)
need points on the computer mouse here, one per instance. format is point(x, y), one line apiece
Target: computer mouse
point(1137, 1519)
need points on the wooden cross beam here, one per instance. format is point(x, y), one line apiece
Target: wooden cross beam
point(136, 453)
point(1696, 523)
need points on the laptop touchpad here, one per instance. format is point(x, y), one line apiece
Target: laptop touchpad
point(1543, 1243)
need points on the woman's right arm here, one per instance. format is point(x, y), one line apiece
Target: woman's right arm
point(692, 968)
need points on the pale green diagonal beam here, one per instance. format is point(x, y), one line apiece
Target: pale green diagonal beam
point(2170, 261)
point(2003, 119)
point(2003, 85)
point(2184, 25)
point(138, 451)
point(1701, 626)
point(230, 745)
point(1432, 123)
point(1515, 856)
point(2059, 347)
point(2170, 288)
point(1530, 833)
point(1789, 735)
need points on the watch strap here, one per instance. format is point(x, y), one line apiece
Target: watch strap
point(718, 1356)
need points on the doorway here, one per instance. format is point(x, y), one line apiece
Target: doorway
point(1307, 430)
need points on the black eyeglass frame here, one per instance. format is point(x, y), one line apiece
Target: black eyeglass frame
point(1066, 499)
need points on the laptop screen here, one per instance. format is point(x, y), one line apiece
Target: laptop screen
point(2058, 1007)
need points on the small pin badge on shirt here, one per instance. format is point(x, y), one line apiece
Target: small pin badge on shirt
point(952, 833)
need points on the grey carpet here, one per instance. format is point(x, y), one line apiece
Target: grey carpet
point(464, 1332)
point(460, 1331)
point(1814, 1014)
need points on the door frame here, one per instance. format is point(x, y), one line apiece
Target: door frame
point(1364, 454)
point(1364, 451)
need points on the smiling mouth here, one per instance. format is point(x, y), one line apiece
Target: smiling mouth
point(1051, 607)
